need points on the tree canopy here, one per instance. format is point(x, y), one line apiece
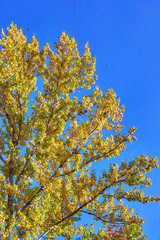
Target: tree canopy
point(55, 125)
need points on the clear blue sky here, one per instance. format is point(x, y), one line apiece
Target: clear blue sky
point(123, 34)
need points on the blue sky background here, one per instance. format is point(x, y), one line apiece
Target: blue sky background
point(125, 35)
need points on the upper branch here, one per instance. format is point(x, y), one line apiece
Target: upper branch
point(34, 147)
point(20, 122)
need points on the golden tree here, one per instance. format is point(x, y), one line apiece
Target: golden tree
point(51, 135)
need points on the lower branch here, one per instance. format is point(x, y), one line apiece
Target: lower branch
point(73, 213)
point(84, 205)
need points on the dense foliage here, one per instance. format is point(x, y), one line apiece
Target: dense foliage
point(51, 136)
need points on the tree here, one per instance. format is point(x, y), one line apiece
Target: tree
point(51, 136)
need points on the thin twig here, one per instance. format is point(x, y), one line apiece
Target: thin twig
point(89, 213)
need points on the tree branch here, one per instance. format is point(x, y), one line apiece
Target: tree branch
point(11, 175)
point(26, 164)
point(20, 123)
point(61, 165)
point(34, 147)
point(89, 213)
point(4, 161)
point(81, 207)
point(54, 176)
point(89, 161)
point(11, 124)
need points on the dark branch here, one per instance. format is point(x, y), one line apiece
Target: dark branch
point(104, 155)
point(89, 161)
point(94, 215)
point(10, 123)
point(11, 175)
point(26, 164)
point(2, 159)
point(34, 148)
point(61, 175)
point(82, 206)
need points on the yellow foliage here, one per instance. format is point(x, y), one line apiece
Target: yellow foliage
point(52, 137)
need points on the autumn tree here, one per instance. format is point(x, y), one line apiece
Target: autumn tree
point(56, 124)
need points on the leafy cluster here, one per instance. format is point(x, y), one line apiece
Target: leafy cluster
point(51, 134)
